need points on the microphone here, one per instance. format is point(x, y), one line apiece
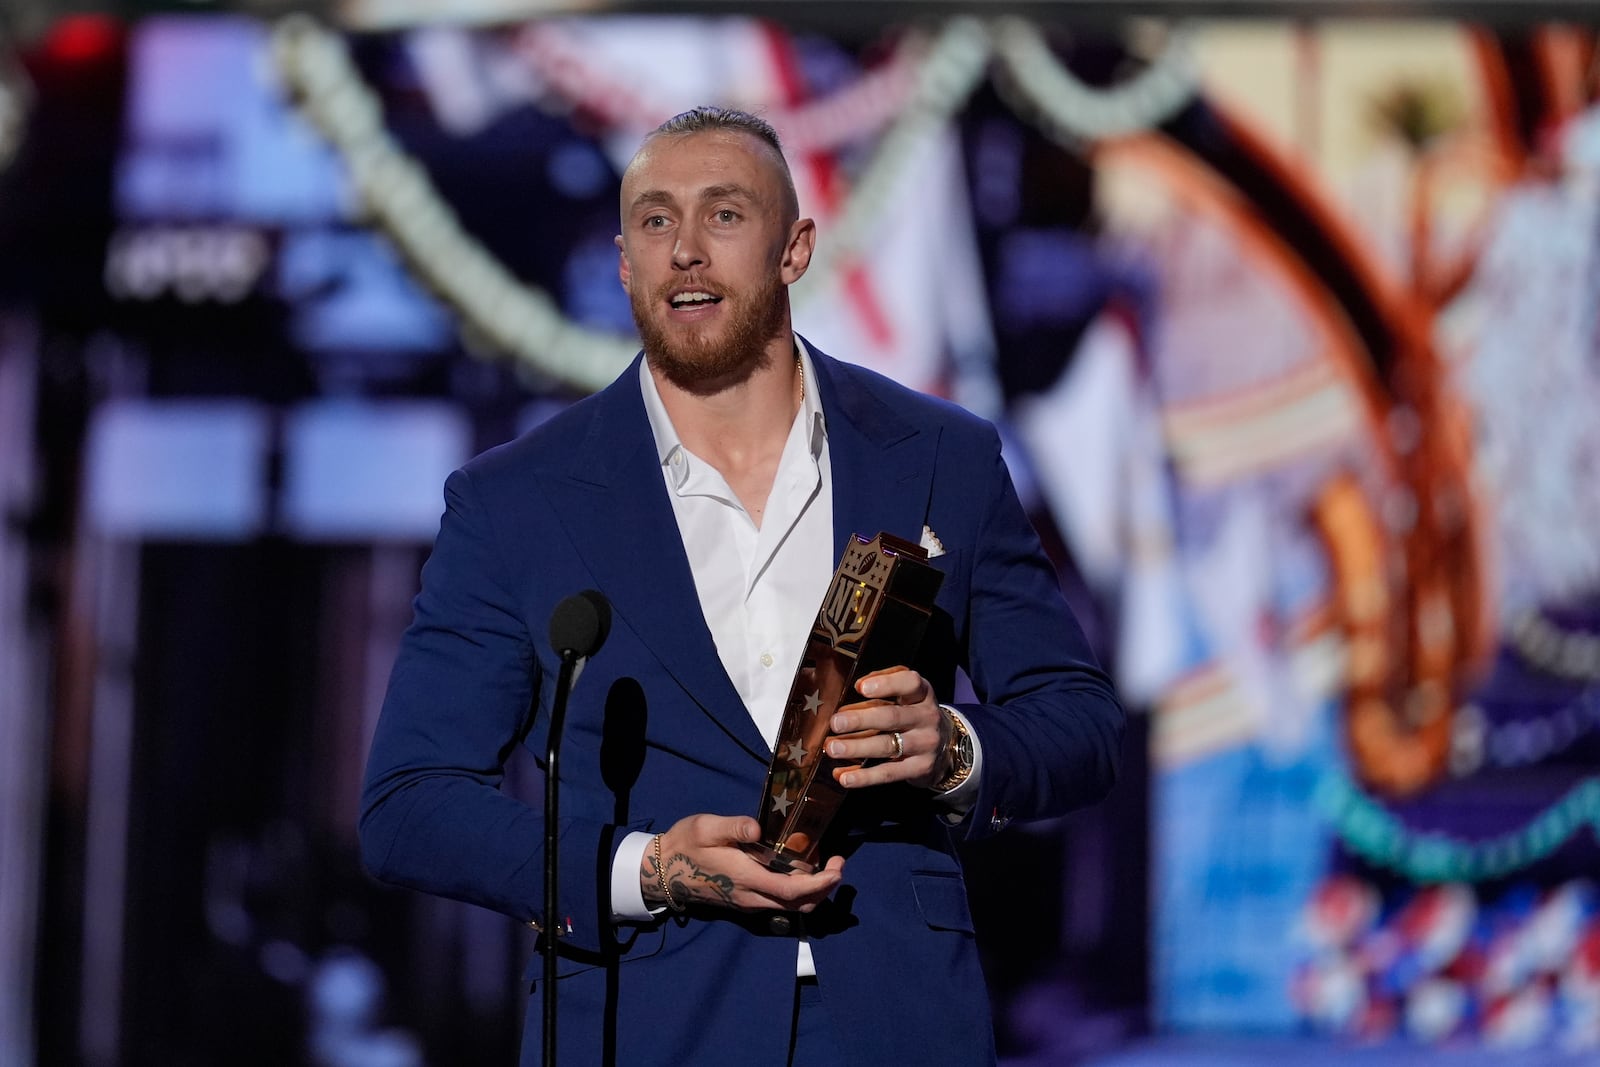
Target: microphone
point(578, 627)
point(580, 624)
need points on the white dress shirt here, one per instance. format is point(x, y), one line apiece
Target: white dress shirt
point(759, 586)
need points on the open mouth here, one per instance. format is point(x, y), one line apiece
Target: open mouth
point(691, 299)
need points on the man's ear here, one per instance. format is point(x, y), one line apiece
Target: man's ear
point(623, 270)
point(797, 253)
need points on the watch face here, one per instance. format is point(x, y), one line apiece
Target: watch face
point(960, 757)
point(963, 740)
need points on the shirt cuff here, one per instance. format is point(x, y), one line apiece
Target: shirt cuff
point(959, 800)
point(627, 895)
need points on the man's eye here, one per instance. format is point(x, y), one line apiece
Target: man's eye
point(655, 222)
point(727, 215)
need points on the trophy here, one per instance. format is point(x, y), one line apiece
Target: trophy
point(873, 617)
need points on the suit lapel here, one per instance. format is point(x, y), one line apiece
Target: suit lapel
point(613, 500)
point(881, 462)
point(614, 503)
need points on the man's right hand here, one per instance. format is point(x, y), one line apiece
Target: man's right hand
point(705, 865)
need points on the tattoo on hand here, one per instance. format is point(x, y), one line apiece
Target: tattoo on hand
point(697, 883)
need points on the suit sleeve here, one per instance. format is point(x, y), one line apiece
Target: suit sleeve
point(1050, 723)
point(433, 817)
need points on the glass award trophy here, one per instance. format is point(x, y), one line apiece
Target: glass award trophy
point(873, 616)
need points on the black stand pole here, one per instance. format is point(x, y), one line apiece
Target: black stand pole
point(552, 918)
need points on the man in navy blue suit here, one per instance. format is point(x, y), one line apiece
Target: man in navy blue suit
point(708, 492)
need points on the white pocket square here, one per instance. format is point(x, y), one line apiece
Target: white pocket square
point(931, 542)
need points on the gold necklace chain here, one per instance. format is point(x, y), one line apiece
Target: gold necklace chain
point(800, 367)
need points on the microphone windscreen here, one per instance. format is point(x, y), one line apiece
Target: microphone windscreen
point(580, 623)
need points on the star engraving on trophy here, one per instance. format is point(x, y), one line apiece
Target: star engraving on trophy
point(814, 702)
point(781, 805)
point(797, 752)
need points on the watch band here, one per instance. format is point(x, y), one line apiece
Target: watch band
point(960, 755)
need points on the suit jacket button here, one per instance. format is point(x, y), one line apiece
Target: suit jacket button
point(780, 925)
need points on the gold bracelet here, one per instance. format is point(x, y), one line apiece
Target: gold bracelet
point(661, 876)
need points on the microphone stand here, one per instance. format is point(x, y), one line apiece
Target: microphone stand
point(552, 921)
point(578, 628)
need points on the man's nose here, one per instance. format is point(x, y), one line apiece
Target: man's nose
point(689, 250)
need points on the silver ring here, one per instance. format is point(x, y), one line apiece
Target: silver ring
point(899, 744)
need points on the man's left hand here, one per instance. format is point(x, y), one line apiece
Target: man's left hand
point(899, 703)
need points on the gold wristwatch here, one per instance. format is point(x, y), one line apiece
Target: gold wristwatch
point(959, 754)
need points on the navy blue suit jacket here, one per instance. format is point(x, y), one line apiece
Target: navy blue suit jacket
point(656, 731)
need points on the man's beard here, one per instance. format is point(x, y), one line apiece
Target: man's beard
point(698, 364)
